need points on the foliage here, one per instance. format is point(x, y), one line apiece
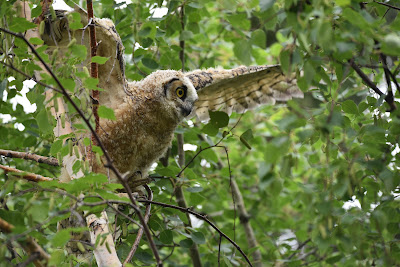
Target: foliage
point(319, 176)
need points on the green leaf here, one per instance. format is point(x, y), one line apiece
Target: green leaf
point(266, 4)
point(195, 189)
point(186, 243)
point(391, 44)
point(91, 83)
point(78, 51)
point(19, 24)
point(144, 31)
point(186, 35)
point(246, 137)
point(355, 18)
point(343, 2)
point(57, 257)
point(259, 38)
point(30, 141)
point(99, 60)
point(198, 238)
point(170, 171)
point(107, 113)
point(335, 257)
point(69, 84)
point(242, 50)
point(219, 118)
point(239, 20)
point(244, 141)
point(350, 107)
point(74, 21)
point(61, 238)
point(150, 63)
point(43, 122)
point(166, 237)
point(146, 42)
point(36, 41)
point(210, 129)
point(284, 59)
point(209, 155)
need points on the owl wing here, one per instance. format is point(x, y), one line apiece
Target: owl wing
point(241, 89)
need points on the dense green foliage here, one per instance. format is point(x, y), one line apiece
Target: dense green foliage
point(309, 159)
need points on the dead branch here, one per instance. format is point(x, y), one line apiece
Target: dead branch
point(26, 175)
point(29, 156)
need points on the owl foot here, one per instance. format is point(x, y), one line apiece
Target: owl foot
point(139, 182)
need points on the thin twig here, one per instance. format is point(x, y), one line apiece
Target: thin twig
point(383, 4)
point(29, 156)
point(26, 175)
point(31, 77)
point(140, 231)
point(301, 245)
point(202, 217)
point(219, 249)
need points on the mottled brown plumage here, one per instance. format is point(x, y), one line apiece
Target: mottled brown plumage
point(150, 109)
point(146, 119)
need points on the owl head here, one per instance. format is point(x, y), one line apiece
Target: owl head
point(176, 94)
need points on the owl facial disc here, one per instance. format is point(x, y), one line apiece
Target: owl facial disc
point(181, 91)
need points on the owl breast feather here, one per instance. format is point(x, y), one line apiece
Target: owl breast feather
point(138, 137)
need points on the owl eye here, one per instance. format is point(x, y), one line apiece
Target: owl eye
point(180, 92)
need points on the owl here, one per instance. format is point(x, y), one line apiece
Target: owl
point(151, 109)
point(148, 111)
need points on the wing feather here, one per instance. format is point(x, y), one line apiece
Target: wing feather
point(241, 89)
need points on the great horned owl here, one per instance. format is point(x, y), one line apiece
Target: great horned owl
point(148, 111)
point(151, 109)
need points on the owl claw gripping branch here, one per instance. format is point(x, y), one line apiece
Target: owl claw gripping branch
point(148, 111)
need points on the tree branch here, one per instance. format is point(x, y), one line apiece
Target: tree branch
point(29, 156)
point(26, 175)
point(389, 99)
point(93, 66)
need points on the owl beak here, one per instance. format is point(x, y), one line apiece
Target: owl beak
point(186, 111)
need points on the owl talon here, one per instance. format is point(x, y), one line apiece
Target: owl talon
point(139, 182)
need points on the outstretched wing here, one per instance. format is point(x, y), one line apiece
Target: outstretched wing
point(241, 89)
